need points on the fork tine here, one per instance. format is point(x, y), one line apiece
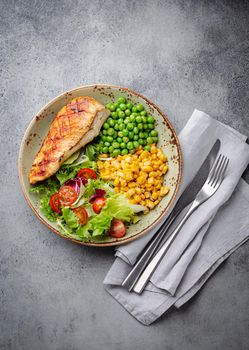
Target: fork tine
point(218, 170)
point(222, 172)
point(213, 168)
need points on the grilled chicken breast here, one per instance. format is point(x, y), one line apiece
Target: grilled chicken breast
point(74, 126)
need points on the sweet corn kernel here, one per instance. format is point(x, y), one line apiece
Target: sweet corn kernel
point(138, 176)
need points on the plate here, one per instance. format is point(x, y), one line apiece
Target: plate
point(168, 142)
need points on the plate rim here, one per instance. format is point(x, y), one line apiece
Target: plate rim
point(116, 242)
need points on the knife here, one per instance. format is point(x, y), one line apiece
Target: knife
point(186, 198)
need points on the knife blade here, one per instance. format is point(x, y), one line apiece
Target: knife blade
point(186, 198)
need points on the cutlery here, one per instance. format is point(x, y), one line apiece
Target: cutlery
point(186, 198)
point(211, 185)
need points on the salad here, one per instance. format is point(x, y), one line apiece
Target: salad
point(100, 190)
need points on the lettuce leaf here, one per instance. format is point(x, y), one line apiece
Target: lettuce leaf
point(91, 152)
point(70, 218)
point(49, 186)
point(69, 171)
point(46, 209)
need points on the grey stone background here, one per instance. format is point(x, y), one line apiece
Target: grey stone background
point(181, 54)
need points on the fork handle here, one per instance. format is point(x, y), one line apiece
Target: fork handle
point(148, 271)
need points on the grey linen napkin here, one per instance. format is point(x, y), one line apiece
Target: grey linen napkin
point(206, 239)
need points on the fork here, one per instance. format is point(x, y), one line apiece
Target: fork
point(210, 186)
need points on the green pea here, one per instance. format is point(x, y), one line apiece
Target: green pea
point(118, 110)
point(122, 106)
point(150, 120)
point(147, 148)
point(120, 121)
point(141, 142)
point(112, 108)
point(146, 134)
point(121, 114)
point(111, 122)
point(119, 139)
point(134, 114)
point(127, 112)
point(116, 152)
point(105, 149)
point(130, 126)
point(141, 135)
point(136, 137)
point(134, 109)
point(116, 104)
point(125, 132)
point(149, 140)
point(114, 115)
point(110, 131)
point(150, 126)
point(124, 151)
point(104, 138)
point(107, 144)
point(109, 138)
point(144, 119)
point(120, 134)
point(146, 126)
point(106, 125)
point(111, 149)
point(130, 145)
point(121, 126)
point(135, 130)
point(143, 113)
point(138, 119)
point(140, 126)
point(125, 139)
point(136, 144)
point(127, 120)
point(153, 133)
point(115, 134)
point(131, 135)
point(116, 127)
point(155, 139)
point(123, 145)
point(108, 105)
point(115, 145)
point(129, 105)
point(121, 99)
point(132, 118)
point(140, 107)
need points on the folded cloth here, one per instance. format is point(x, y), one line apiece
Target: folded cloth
point(206, 239)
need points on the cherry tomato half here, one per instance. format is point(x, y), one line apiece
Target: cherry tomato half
point(54, 202)
point(82, 215)
point(117, 229)
point(67, 196)
point(98, 204)
point(87, 173)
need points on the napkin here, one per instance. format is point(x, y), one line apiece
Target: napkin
point(217, 228)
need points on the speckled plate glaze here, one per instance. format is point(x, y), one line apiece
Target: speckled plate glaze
point(168, 141)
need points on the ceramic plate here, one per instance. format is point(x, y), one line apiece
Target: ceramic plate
point(38, 129)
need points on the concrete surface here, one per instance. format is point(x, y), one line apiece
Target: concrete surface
point(182, 55)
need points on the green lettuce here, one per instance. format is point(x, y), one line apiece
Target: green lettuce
point(49, 186)
point(91, 151)
point(69, 171)
point(70, 218)
point(46, 188)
